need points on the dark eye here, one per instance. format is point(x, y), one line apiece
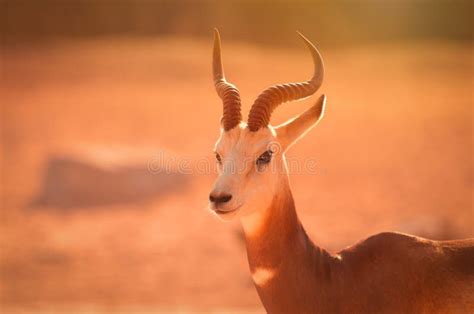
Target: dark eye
point(264, 158)
point(218, 157)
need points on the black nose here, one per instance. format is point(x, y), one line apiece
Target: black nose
point(219, 198)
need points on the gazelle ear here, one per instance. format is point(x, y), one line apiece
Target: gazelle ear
point(294, 129)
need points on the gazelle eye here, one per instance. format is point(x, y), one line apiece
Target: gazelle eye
point(264, 158)
point(218, 157)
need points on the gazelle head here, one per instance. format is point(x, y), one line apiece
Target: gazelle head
point(250, 157)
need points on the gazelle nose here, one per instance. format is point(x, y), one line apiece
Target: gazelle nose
point(219, 198)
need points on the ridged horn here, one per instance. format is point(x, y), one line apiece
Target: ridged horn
point(227, 92)
point(273, 96)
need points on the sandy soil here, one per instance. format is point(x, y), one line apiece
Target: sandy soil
point(394, 152)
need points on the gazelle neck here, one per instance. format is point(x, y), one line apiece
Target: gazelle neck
point(270, 232)
point(286, 266)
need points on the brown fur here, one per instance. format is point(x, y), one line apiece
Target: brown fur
point(386, 273)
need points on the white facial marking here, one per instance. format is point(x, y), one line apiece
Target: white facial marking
point(250, 184)
point(262, 276)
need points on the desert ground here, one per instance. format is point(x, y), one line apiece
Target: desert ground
point(106, 165)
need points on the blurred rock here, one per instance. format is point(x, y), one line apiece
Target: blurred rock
point(70, 182)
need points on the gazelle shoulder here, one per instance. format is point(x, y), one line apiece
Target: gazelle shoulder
point(387, 243)
point(402, 248)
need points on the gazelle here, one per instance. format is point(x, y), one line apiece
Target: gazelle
point(386, 273)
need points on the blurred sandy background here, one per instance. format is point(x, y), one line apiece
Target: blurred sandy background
point(98, 96)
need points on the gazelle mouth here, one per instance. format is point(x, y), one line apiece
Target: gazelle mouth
point(224, 212)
